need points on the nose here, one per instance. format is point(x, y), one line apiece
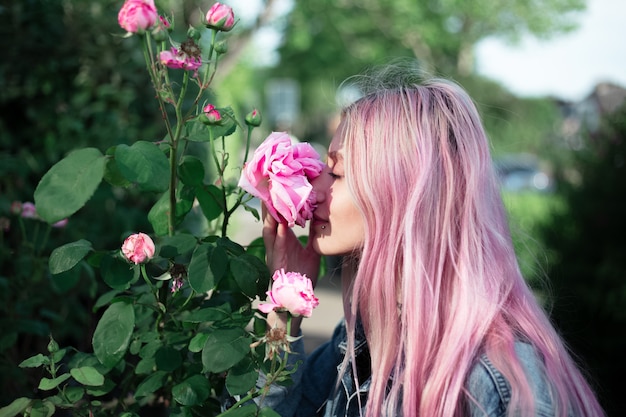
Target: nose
point(321, 184)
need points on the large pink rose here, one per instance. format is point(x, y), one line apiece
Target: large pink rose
point(138, 248)
point(279, 174)
point(292, 292)
point(137, 15)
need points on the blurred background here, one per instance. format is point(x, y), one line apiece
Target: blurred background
point(548, 77)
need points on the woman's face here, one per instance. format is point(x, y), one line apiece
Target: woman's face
point(337, 225)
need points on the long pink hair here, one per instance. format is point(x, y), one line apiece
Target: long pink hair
point(437, 281)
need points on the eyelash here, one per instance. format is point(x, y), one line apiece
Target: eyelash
point(333, 175)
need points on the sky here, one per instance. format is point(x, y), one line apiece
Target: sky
point(568, 66)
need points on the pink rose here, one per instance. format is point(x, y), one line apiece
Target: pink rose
point(138, 248)
point(213, 115)
point(137, 15)
point(29, 211)
point(60, 224)
point(279, 174)
point(291, 291)
point(177, 59)
point(220, 17)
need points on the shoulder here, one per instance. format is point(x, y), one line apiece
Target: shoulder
point(491, 392)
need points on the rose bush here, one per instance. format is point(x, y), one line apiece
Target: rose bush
point(279, 174)
point(177, 329)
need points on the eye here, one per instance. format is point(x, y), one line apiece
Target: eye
point(333, 175)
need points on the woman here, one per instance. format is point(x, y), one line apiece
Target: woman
point(438, 319)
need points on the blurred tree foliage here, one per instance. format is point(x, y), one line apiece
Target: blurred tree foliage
point(327, 41)
point(588, 263)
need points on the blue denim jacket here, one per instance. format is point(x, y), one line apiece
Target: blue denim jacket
point(313, 392)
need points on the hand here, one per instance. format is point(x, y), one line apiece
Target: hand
point(284, 250)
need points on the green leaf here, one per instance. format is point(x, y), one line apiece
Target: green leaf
point(69, 184)
point(168, 359)
point(192, 391)
point(16, 407)
point(209, 314)
point(224, 348)
point(35, 361)
point(241, 378)
point(191, 171)
point(245, 273)
point(67, 280)
point(101, 390)
point(211, 201)
point(113, 332)
point(173, 246)
point(145, 164)
point(47, 384)
point(74, 394)
point(87, 375)
point(67, 256)
point(152, 383)
point(158, 215)
point(41, 408)
point(112, 173)
point(200, 276)
point(117, 273)
point(197, 342)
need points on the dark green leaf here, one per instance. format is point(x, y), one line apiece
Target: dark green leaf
point(200, 276)
point(197, 342)
point(224, 348)
point(112, 173)
point(117, 273)
point(16, 407)
point(158, 215)
point(35, 361)
point(145, 164)
point(209, 314)
point(241, 378)
point(192, 391)
point(268, 412)
point(113, 332)
point(69, 184)
point(74, 394)
point(47, 384)
point(102, 389)
point(87, 375)
point(153, 382)
point(173, 246)
point(245, 273)
point(168, 359)
point(191, 171)
point(211, 202)
point(67, 256)
point(249, 410)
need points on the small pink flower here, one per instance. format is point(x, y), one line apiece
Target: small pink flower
point(177, 59)
point(292, 292)
point(29, 211)
point(137, 15)
point(279, 174)
point(60, 224)
point(138, 248)
point(220, 17)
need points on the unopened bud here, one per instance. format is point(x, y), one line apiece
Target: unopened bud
point(254, 118)
point(53, 346)
point(221, 47)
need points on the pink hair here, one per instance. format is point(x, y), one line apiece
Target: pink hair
point(437, 281)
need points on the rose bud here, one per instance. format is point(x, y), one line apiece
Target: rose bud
point(220, 17)
point(137, 15)
point(138, 248)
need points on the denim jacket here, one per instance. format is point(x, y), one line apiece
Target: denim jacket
point(313, 392)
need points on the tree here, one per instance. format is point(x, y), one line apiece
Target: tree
point(587, 246)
